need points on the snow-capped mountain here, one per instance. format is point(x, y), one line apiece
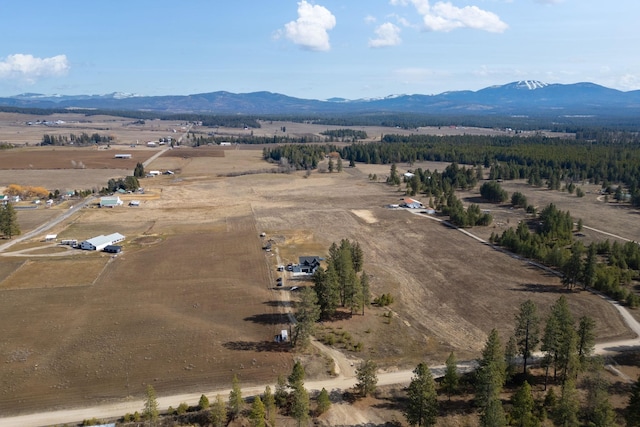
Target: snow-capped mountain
point(525, 97)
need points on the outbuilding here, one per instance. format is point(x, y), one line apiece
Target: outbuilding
point(110, 201)
point(100, 242)
point(412, 203)
point(113, 249)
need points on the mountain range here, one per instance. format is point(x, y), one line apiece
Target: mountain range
point(527, 97)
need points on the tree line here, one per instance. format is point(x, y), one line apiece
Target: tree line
point(78, 140)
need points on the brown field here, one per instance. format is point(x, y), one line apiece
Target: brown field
point(191, 300)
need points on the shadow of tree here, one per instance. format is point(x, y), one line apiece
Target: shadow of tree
point(539, 288)
point(259, 346)
point(268, 318)
point(279, 303)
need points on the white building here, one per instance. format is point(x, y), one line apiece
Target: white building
point(110, 201)
point(100, 242)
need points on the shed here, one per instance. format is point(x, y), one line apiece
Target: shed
point(50, 237)
point(122, 156)
point(113, 249)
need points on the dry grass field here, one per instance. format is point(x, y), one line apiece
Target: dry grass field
point(191, 300)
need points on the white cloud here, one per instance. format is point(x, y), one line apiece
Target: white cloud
point(548, 1)
point(370, 19)
point(310, 30)
point(387, 34)
point(444, 16)
point(30, 68)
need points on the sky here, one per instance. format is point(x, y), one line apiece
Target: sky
point(314, 49)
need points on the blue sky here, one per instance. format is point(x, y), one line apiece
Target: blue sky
point(313, 48)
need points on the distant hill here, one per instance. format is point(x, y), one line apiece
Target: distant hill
point(518, 98)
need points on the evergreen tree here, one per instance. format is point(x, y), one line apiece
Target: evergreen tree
point(510, 354)
point(585, 339)
point(307, 314)
point(493, 415)
point(296, 378)
point(589, 267)
point(367, 377)
point(269, 404)
point(257, 413)
point(422, 406)
point(9, 221)
point(138, 172)
point(523, 406)
point(490, 376)
point(281, 394)
point(339, 165)
point(451, 378)
point(150, 411)
point(366, 291)
point(527, 331)
point(236, 403)
point(566, 412)
point(598, 409)
point(327, 290)
point(203, 403)
point(632, 415)
point(300, 405)
point(323, 402)
point(218, 415)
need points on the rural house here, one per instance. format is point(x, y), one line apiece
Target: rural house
point(307, 264)
point(110, 202)
point(412, 203)
point(100, 242)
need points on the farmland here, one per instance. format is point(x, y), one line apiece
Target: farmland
point(191, 301)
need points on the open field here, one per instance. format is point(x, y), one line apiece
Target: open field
point(191, 301)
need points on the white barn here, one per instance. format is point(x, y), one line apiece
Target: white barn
point(100, 242)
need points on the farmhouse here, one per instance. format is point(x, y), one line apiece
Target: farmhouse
point(100, 242)
point(411, 203)
point(122, 156)
point(307, 264)
point(110, 202)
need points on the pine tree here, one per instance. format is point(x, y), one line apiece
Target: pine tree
point(9, 221)
point(236, 403)
point(566, 412)
point(150, 411)
point(281, 394)
point(523, 406)
point(203, 403)
point(490, 376)
point(510, 354)
point(422, 406)
point(257, 413)
point(323, 402)
point(296, 378)
point(586, 339)
point(307, 314)
point(218, 415)
point(367, 377)
point(269, 404)
point(493, 415)
point(300, 405)
point(527, 330)
point(598, 409)
point(451, 377)
point(632, 414)
point(366, 291)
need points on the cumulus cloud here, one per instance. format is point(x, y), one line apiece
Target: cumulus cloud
point(311, 29)
point(30, 68)
point(387, 34)
point(444, 16)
